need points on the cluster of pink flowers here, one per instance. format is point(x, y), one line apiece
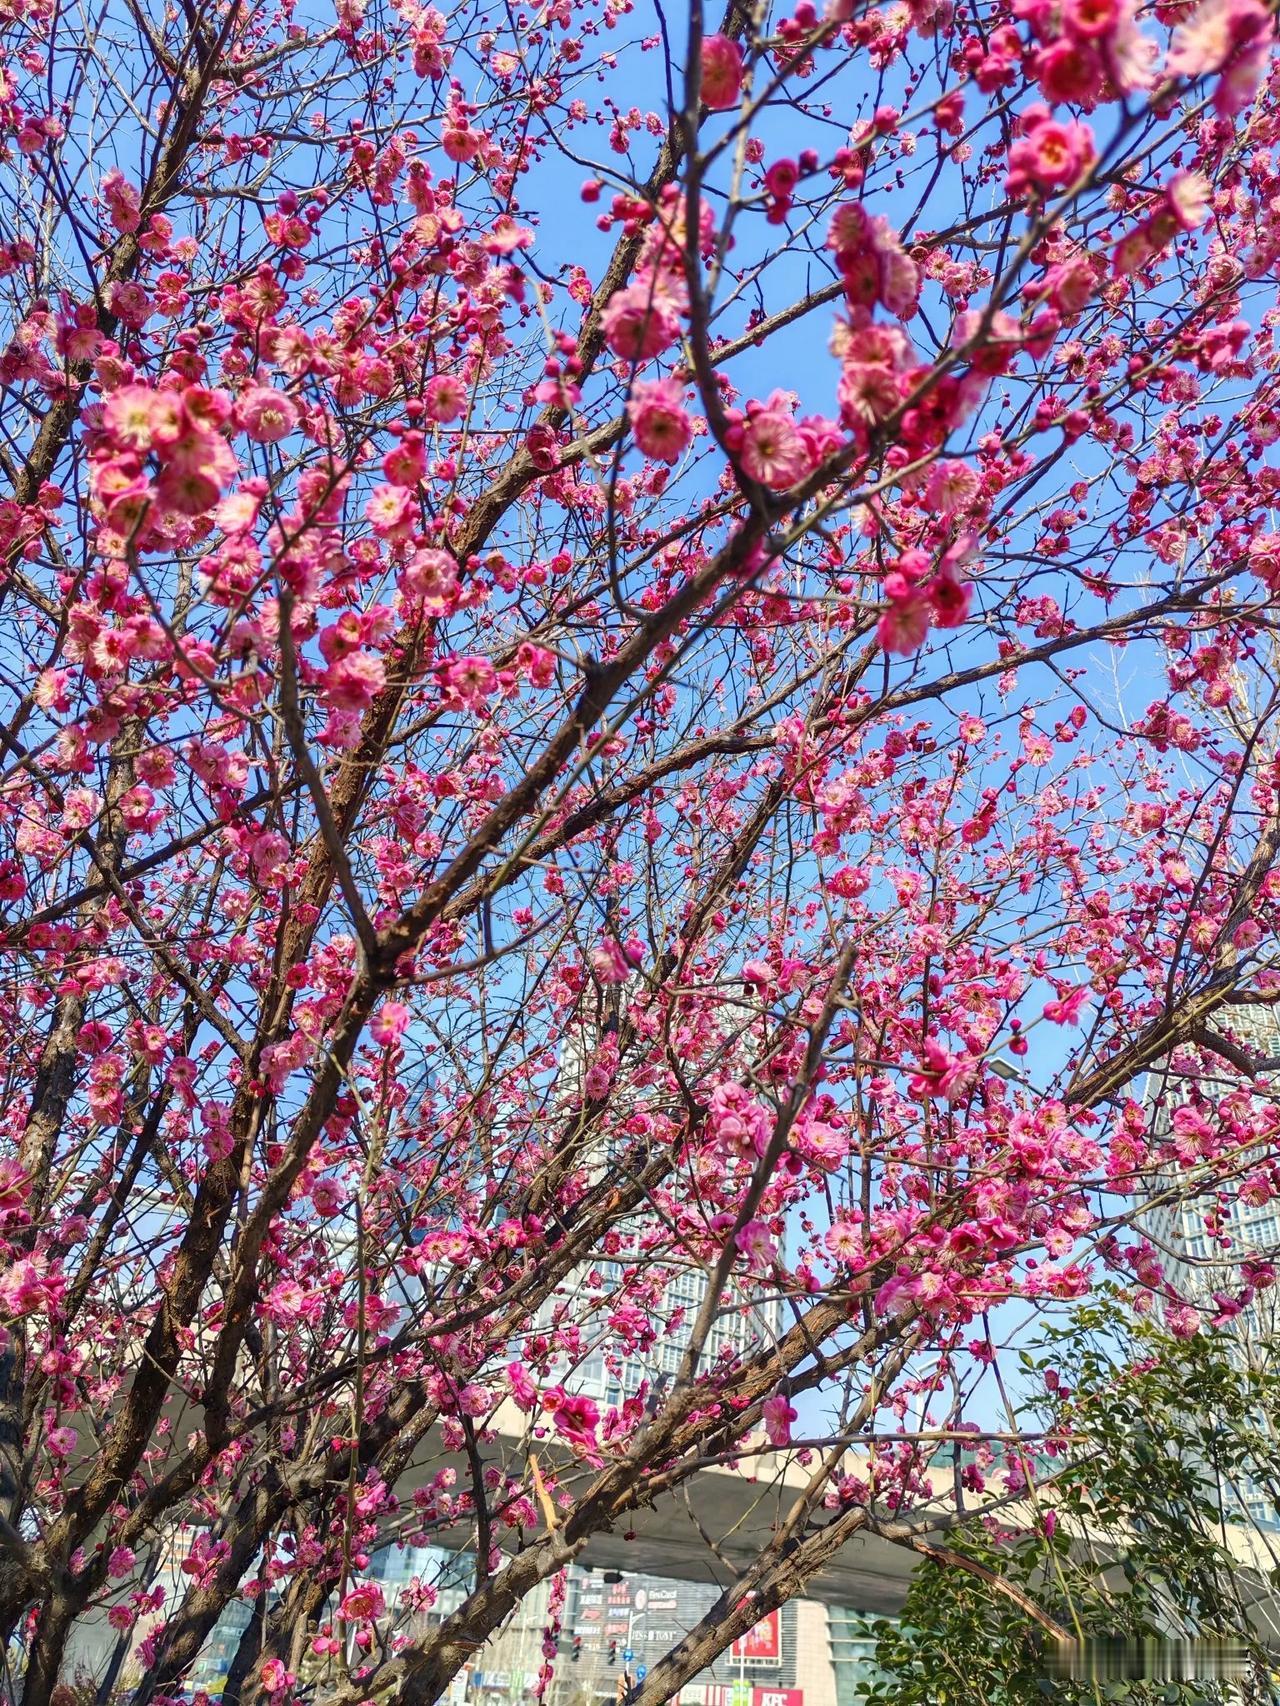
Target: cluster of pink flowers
point(738, 1122)
point(642, 318)
point(874, 267)
point(774, 448)
point(877, 366)
point(641, 321)
point(122, 200)
point(1087, 47)
point(1229, 38)
point(379, 423)
point(30, 1286)
point(881, 375)
point(1047, 155)
point(1182, 207)
point(921, 596)
point(183, 428)
point(354, 672)
point(576, 1418)
point(551, 1633)
point(942, 1073)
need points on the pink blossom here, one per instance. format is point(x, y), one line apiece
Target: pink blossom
point(1091, 18)
point(1047, 155)
point(721, 72)
point(609, 962)
point(895, 1296)
point(471, 681)
point(778, 1414)
point(328, 1196)
point(389, 507)
point(641, 320)
point(285, 1303)
point(445, 397)
point(941, 1073)
point(1232, 37)
point(904, 626)
point(362, 1603)
point(1068, 1006)
point(1130, 56)
point(522, 1387)
point(189, 491)
point(844, 1238)
point(390, 1022)
point(1182, 1320)
point(266, 414)
point(353, 682)
point(950, 599)
point(771, 449)
point(658, 418)
point(757, 972)
point(430, 579)
point(952, 486)
point(576, 1416)
point(899, 276)
point(405, 463)
point(139, 418)
point(1190, 196)
point(238, 511)
point(756, 1243)
point(276, 1677)
point(14, 1185)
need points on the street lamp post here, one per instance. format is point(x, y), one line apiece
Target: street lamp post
point(636, 1609)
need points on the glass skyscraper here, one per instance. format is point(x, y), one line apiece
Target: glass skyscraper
point(1201, 1237)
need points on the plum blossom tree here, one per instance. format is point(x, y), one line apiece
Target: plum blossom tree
point(742, 554)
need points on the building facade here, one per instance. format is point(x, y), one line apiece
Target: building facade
point(1201, 1239)
point(616, 1626)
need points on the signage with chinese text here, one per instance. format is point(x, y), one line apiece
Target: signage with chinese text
point(763, 1644)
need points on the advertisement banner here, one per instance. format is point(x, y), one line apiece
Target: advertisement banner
point(662, 1598)
point(763, 1644)
point(739, 1694)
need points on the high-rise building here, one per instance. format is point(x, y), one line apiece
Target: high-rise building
point(744, 1320)
point(1201, 1237)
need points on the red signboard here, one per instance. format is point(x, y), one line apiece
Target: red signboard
point(731, 1694)
point(763, 1644)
